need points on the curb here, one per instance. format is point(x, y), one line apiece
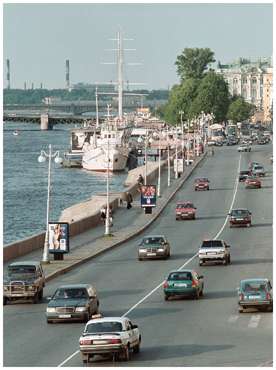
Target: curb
point(135, 233)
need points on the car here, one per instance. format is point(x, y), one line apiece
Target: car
point(183, 283)
point(185, 210)
point(253, 182)
point(214, 251)
point(202, 183)
point(258, 170)
point(72, 302)
point(24, 280)
point(211, 142)
point(240, 217)
point(243, 175)
point(253, 164)
point(261, 141)
point(218, 143)
point(154, 246)
point(255, 293)
point(113, 336)
point(244, 148)
point(271, 159)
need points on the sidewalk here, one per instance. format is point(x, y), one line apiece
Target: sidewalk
point(85, 246)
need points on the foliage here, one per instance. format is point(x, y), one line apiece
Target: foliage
point(193, 62)
point(239, 110)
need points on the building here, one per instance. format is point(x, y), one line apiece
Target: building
point(252, 80)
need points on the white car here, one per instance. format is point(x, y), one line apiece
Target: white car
point(115, 336)
point(214, 251)
point(244, 148)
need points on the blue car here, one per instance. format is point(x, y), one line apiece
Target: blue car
point(256, 293)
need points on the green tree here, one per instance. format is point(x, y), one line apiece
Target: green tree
point(193, 62)
point(212, 96)
point(239, 110)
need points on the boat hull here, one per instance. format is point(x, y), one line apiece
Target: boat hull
point(96, 159)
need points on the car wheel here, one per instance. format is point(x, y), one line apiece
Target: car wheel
point(201, 293)
point(196, 296)
point(241, 309)
point(5, 300)
point(36, 298)
point(225, 261)
point(248, 225)
point(125, 353)
point(166, 297)
point(40, 295)
point(85, 359)
point(97, 309)
point(140, 259)
point(87, 317)
point(200, 263)
point(208, 188)
point(136, 349)
point(229, 259)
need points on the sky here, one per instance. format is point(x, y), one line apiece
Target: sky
point(38, 38)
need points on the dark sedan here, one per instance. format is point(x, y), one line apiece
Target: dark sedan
point(243, 175)
point(240, 217)
point(154, 246)
point(73, 302)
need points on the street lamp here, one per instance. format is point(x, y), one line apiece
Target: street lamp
point(97, 108)
point(159, 169)
point(181, 112)
point(42, 158)
point(169, 164)
point(107, 218)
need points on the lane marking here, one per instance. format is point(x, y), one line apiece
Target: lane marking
point(254, 321)
point(180, 268)
point(233, 318)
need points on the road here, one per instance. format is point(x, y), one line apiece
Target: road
point(180, 332)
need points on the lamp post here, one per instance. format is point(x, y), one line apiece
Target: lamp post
point(97, 108)
point(146, 156)
point(176, 159)
point(169, 164)
point(159, 169)
point(182, 136)
point(107, 218)
point(42, 158)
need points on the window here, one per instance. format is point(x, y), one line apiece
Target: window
point(104, 327)
point(254, 81)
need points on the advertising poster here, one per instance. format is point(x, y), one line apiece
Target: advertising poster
point(58, 237)
point(81, 138)
point(178, 165)
point(148, 196)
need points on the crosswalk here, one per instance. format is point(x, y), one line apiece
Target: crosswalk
point(252, 321)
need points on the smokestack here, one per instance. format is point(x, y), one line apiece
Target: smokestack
point(25, 85)
point(41, 85)
point(32, 85)
point(67, 75)
point(8, 74)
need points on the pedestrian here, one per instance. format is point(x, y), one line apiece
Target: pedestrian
point(103, 214)
point(129, 200)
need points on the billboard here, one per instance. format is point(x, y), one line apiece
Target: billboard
point(148, 196)
point(81, 138)
point(178, 165)
point(58, 237)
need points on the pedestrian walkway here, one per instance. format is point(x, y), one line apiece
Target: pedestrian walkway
point(127, 223)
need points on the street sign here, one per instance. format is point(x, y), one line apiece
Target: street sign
point(148, 196)
point(58, 237)
point(178, 165)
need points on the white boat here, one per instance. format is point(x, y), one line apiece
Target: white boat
point(95, 156)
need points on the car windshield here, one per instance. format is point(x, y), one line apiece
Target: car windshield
point(182, 275)
point(258, 168)
point(185, 205)
point(104, 327)
point(239, 212)
point(203, 179)
point(254, 286)
point(153, 240)
point(244, 172)
point(70, 293)
point(211, 244)
point(12, 270)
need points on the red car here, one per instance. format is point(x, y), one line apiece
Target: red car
point(253, 182)
point(201, 184)
point(240, 217)
point(185, 210)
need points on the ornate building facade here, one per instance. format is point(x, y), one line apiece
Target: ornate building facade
point(252, 81)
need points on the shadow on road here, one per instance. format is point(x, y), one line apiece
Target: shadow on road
point(210, 217)
point(215, 189)
point(111, 293)
point(269, 224)
point(220, 294)
point(252, 261)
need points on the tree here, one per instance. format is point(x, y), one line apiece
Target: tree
point(239, 110)
point(193, 62)
point(212, 96)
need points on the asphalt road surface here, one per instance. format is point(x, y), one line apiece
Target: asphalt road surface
point(180, 332)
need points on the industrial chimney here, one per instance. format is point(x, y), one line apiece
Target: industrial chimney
point(67, 76)
point(8, 74)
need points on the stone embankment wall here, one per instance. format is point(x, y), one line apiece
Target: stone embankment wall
point(85, 215)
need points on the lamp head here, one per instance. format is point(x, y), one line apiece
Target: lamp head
point(41, 158)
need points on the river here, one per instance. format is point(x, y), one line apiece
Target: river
point(25, 180)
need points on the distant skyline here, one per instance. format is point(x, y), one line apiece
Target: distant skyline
point(38, 38)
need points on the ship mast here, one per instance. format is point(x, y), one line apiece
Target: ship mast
point(120, 75)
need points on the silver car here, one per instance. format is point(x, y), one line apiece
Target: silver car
point(154, 246)
point(258, 170)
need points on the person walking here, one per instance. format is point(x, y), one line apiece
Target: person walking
point(129, 200)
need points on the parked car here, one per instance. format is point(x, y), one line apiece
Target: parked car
point(244, 148)
point(72, 302)
point(24, 280)
point(114, 336)
point(261, 141)
point(185, 210)
point(154, 246)
point(253, 164)
point(243, 175)
point(201, 183)
point(214, 251)
point(218, 143)
point(240, 217)
point(253, 182)
point(183, 283)
point(258, 170)
point(256, 293)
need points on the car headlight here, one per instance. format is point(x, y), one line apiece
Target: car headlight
point(81, 309)
point(160, 249)
point(143, 250)
point(50, 309)
point(31, 287)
